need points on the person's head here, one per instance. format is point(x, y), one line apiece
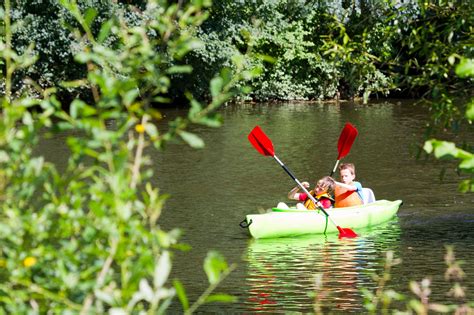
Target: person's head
point(325, 184)
point(347, 173)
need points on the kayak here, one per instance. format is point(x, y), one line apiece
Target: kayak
point(294, 222)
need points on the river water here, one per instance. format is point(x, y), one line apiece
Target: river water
point(213, 189)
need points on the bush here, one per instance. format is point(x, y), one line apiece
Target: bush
point(87, 239)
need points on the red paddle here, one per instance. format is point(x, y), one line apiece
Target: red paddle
point(264, 145)
point(346, 139)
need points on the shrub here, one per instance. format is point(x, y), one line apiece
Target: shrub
point(87, 239)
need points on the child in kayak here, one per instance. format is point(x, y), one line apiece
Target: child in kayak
point(323, 191)
point(349, 192)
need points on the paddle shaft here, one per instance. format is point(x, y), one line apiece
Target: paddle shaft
point(315, 200)
point(335, 168)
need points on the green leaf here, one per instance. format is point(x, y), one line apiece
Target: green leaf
point(105, 31)
point(466, 185)
point(470, 110)
point(186, 46)
point(226, 75)
point(162, 270)
point(226, 298)
point(151, 130)
point(452, 59)
point(103, 296)
point(73, 84)
point(179, 69)
point(214, 265)
point(181, 292)
point(238, 60)
point(213, 121)
point(441, 308)
point(467, 164)
point(81, 109)
point(465, 68)
point(76, 107)
point(192, 139)
point(130, 96)
point(345, 39)
point(216, 86)
point(83, 57)
point(118, 311)
point(89, 16)
point(445, 149)
point(418, 307)
point(266, 58)
point(428, 146)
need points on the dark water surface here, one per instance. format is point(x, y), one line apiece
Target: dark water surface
point(213, 189)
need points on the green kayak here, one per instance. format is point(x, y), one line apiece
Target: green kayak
point(293, 222)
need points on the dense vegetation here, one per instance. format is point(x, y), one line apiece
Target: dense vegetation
point(87, 238)
point(308, 50)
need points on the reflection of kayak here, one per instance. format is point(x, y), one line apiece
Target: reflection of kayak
point(291, 222)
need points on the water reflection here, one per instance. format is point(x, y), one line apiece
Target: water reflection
point(281, 272)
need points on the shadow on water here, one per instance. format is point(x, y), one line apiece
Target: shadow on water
point(281, 274)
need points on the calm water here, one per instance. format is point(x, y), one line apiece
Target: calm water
point(213, 189)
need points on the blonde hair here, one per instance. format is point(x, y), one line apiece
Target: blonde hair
point(347, 166)
point(327, 183)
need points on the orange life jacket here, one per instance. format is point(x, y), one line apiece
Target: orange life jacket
point(309, 204)
point(346, 198)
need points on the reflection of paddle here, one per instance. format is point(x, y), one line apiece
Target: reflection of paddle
point(346, 139)
point(264, 145)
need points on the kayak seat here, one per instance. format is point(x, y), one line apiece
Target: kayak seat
point(368, 195)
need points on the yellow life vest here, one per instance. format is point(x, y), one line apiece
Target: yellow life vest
point(346, 198)
point(309, 204)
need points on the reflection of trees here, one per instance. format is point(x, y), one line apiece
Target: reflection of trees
point(281, 272)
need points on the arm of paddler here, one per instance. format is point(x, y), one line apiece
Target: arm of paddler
point(346, 186)
point(294, 193)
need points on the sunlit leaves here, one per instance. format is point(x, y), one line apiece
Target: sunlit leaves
point(181, 293)
point(192, 139)
point(448, 150)
point(93, 227)
point(214, 266)
point(465, 68)
point(216, 86)
point(162, 269)
point(470, 110)
point(89, 16)
point(81, 109)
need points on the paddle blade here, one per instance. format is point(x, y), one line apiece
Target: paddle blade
point(261, 142)
point(346, 139)
point(346, 232)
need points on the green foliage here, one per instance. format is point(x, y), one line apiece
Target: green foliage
point(42, 23)
point(448, 150)
point(352, 52)
point(381, 300)
point(431, 40)
point(86, 239)
point(306, 50)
